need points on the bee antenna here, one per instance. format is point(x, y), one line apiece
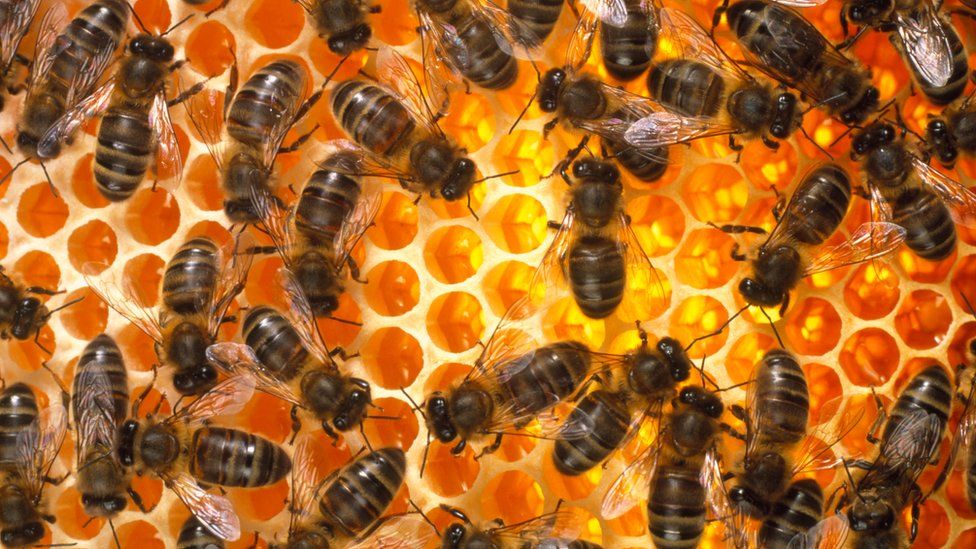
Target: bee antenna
point(414, 406)
point(423, 461)
point(343, 321)
point(968, 304)
point(64, 306)
point(138, 19)
point(719, 330)
point(177, 24)
point(497, 175)
point(424, 515)
point(850, 478)
point(335, 70)
point(115, 536)
point(773, 326)
point(385, 417)
point(12, 170)
point(526, 108)
point(362, 431)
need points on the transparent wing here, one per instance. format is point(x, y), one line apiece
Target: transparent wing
point(67, 125)
point(581, 41)
point(167, 148)
point(829, 533)
point(960, 200)
point(406, 87)
point(280, 128)
point(923, 37)
point(644, 286)
point(814, 453)
point(226, 399)
point(660, 129)
point(611, 12)
point(400, 532)
point(736, 533)
point(46, 46)
point(94, 410)
point(445, 54)
point(509, 31)
point(361, 218)
point(208, 124)
point(869, 241)
point(239, 359)
point(559, 524)
point(39, 444)
point(18, 20)
point(215, 512)
point(549, 280)
point(694, 42)
point(121, 297)
point(275, 220)
point(88, 76)
point(632, 487)
point(300, 315)
point(305, 482)
point(511, 346)
point(912, 443)
point(234, 263)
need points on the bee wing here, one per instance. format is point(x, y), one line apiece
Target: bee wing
point(960, 200)
point(276, 220)
point(631, 487)
point(234, 266)
point(563, 523)
point(215, 512)
point(644, 286)
point(611, 12)
point(829, 533)
point(509, 31)
point(65, 127)
point(510, 348)
point(399, 532)
point(121, 297)
point(208, 126)
point(581, 41)
point(305, 482)
point(736, 533)
point(869, 241)
point(93, 411)
point(438, 38)
point(406, 87)
point(923, 36)
point(694, 42)
point(965, 434)
point(300, 315)
point(549, 280)
point(361, 218)
point(280, 129)
point(167, 148)
point(226, 399)
point(913, 442)
point(18, 21)
point(814, 452)
point(46, 46)
point(39, 444)
point(239, 359)
point(660, 129)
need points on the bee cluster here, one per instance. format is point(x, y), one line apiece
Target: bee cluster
point(233, 347)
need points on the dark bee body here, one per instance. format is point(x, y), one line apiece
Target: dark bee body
point(275, 342)
point(80, 55)
point(329, 197)
point(19, 517)
point(194, 535)
point(229, 457)
point(362, 491)
point(190, 277)
point(930, 391)
point(341, 22)
point(15, 21)
point(18, 411)
point(796, 512)
point(21, 315)
point(538, 18)
point(952, 133)
point(645, 167)
point(687, 86)
point(929, 229)
point(627, 50)
point(792, 50)
point(553, 372)
point(372, 117)
point(610, 418)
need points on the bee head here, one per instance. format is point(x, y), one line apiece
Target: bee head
point(27, 533)
point(29, 316)
point(597, 170)
point(786, 116)
point(459, 180)
point(354, 39)
point(870, 514)
point(354, 406)
point(757, 293)
point(865, 12)
point(103, 506)
point(439, 419)
point(153, 47)
point(127, 442)
point(751, 107)
point(678, 360)
point(549, 88)
point(702, 400)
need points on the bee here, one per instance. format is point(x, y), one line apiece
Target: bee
point(195, 535)
point(551, 530)
point(14, 23)
point(604, 419)
point(316, 240)
point(796, 512)
point(538, 19)
point(795, 248)
point(595, 251)
point(910, 440)
point(397, 129)
point(295, 365)
point(343, 23)
point(135, 122)
point(951, 133)
point(22, 315)
point(199, 285)
point(67, 67)
point(257, 118)
point(181, 453)
point(29, 444)
point(927, 41)
point(909, 193)
point(781, 43)
point(628, 32)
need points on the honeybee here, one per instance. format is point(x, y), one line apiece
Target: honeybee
point(343, 23)
point(14, 23)
point(397, 128)
point(871, 507)
point(135, 123)
point(29, 444)
point(962, 453)
point(796, 512)
point(195, 535)
point(795, 247)
point(557, 529)
point(293, 363)
point(538, 18)
point(180, 453)
point(595, 252)
point(906, 191)
point(199, 285)
point(952, 132)
point(67, 66)
point(22, 315)
point(628, 32)
point(781, 43)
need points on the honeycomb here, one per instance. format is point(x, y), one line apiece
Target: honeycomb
point(440, 280)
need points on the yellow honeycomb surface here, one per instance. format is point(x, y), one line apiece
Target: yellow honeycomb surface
point(439, 280)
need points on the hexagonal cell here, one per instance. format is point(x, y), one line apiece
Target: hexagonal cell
point(704, 259)
point(393, 288)
point(872, 291)
point(506, 283)
point(72, 517)
point(210, 48)
point(93, 242)
point(824, 386)
point(87, 318)
point(515, 448)
point(274, 24)
point(455, 321)
point(745, 354)
point(393, 424)
point(83, 184)
point(396, 222)
point(921, 270)
point(715, 192)
point(203, 184)
point(824, 130)
point(697, 316)
point(41, 213)
point(37, 268)
point(814, 327)
point(632, 523)
point(392, 358)
point(566, 487)
point(471, 122)
point(966, 539)
point(516, 223)
point(765, 168)
point(564, 321)
point(141, 533)
point(923, 319)
point(512, 496)
point(937, 526)
point(869, 357)
point(260, 504)
point(143, 274)
point(658, 222)
point(449, 475)
point(525, 153)
point(326, 62)
point(453, 254)
point(154, 14)
point(152, 216)
point(647, 296)
point(445, 376)
point(964, 282)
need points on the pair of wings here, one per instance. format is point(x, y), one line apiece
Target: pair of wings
point(94, 413)
point(37, 447)
point(924, 36)
point(121, 296)
point(959, 199)
point(19, 14)
point(616, 13)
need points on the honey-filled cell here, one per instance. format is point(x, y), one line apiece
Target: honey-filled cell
point(393, 288)
point(696, 317)
point(869, 357)
point(814, 327)
point(94, 242)
point(455, 321)
point(506, 283)
point(512, 496)
point(872, 291)
point(516, 223)
point(273, 23)
point(392, 357)
point(658, 223)
point(704, 259)
point(396, 222)
point(453, 254)
point(83, 184)
point(766, 168)
point(450, 475)
point(392, 424)
point(40, 212)
point(525, 154)
point(715, 192)
point(923, 319)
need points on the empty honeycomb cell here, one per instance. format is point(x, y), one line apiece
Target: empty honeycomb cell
point(152, 216)
point(516, 223)
point(29, 355)
point(523, 153)
point(392, 357)
point(210, 48)
point(139, 533)
point(341, 329)
point(658, 223)
point(814, 327)
point(513, 497)
point(274, 23)
point(869, 357)
point(40, 212)
point(72, 517)
point(392, 423)
point(567, 487)
point(765, 168)
point(203, 184)
point(263, 283)
point(393, 288)
point(470, 122)
point(825, 390)
point(453, 254)
point(920, 270)
point(935, 533)
point(964, 281)
point(698, 316)
point(268, 416)
point(83, 184)
point(923, 319)
point(455, 321)
point(872, 291)
point(37, 268)
point(450, 475)
point(704, 259)
point(260, 504)
point(564, 321)
point(93, 242)
point(506, 283)
point(142, 275)
point(326, 62)
point(824, 132)
point(87, 318)
point(154, 14)
point(715, 192)
point(744, 355)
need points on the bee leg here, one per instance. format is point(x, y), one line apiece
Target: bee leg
point(737, 229)
point(785, 305)
point(642, 334)
point(843, 22)
point(330, 432)
point(495, 445)
point(296, 424)
point(554, 225)
point(916, 510)
point(197, 88)
point(43, 291)
point(770, 143)
point(735, 146)
point(354, 270)
point(735, 254)
point(717, 16)
point(5, 145)
point(231, 90)
point(298, 142)
point(878, 421)
point(549, 127)
point(137, 403)
point(732, 432)
point(137, 499)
